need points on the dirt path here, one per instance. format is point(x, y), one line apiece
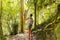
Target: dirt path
point(21, 36)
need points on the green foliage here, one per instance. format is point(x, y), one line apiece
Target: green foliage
point(3, 38)
point(10, 12)
point(46, 11)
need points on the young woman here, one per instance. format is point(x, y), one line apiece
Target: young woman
point(30, 23)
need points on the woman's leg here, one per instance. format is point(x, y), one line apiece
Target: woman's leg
point(29, 32)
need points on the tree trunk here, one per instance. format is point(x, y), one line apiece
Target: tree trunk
point(35, 3)
point(1, 32)
point(22, 15)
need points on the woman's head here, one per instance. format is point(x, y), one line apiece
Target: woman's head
point(31, 15)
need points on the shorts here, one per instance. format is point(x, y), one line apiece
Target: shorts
point(30, 25)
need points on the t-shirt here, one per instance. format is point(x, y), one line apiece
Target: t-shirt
point(30, 20)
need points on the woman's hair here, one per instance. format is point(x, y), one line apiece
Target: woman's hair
point(31, 15)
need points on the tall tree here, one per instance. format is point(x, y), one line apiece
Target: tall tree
point(1, 33)
point(22, 15)
point(35, 2)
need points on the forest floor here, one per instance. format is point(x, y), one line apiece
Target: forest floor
point(21, 36)
point(24, 36)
